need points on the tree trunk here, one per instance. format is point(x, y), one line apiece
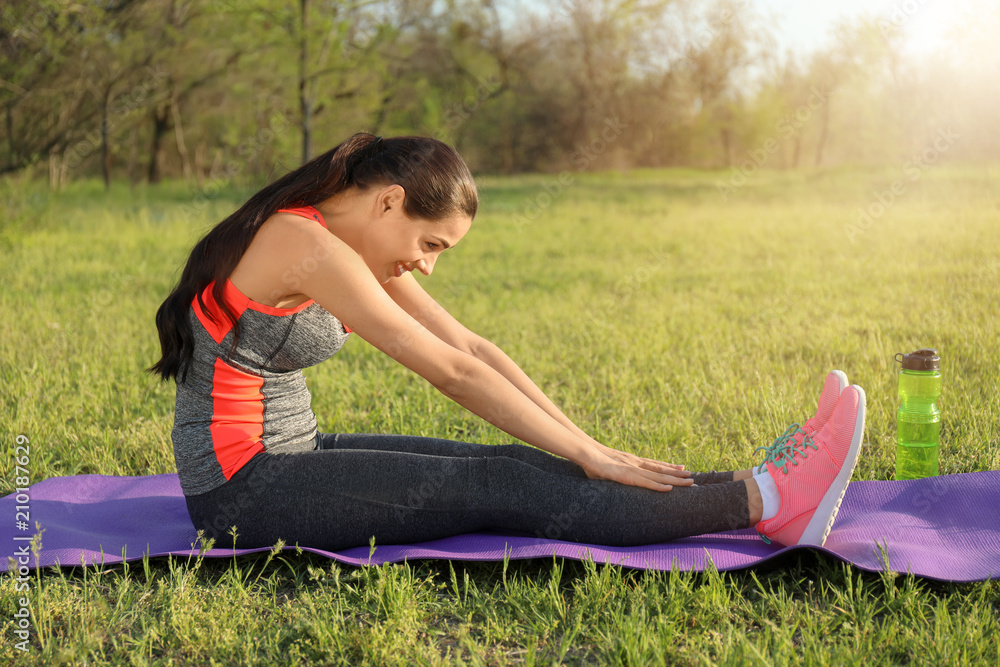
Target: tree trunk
point(726, 146)
point(824, 128)
point(305, 103)
point(11, 147)
point(57, 167)
point(105, 149)
point(161, 123)
point(199, 163)
point(54, 160)
point(133, 156)
point(179, 137)
point(506, 145)
point(383, 111)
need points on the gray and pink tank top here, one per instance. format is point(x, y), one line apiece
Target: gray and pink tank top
point(232, 407)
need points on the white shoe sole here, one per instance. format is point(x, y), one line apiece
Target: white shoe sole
point(821, 522)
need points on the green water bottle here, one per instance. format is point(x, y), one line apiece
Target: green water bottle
point(918, 421)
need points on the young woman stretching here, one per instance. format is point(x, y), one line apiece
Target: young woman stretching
point(326, 250)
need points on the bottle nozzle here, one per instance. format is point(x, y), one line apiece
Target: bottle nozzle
point(924, 359)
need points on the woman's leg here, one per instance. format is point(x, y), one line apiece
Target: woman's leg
point(440, 447)
point(338, 498)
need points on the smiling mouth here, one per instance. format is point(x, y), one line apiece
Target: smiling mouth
point(400, 269)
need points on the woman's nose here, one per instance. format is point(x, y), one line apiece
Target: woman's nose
point(425, 265)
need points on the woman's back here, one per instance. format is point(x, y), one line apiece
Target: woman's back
point(236, 403)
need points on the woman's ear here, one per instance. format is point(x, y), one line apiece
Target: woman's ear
point(390, 198)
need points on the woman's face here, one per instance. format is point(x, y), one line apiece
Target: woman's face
point(395, 244)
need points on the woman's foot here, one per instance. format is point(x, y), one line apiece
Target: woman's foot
point(833, 387)
point(812, 474)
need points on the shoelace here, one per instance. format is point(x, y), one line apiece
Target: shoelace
point(785, 450)
point(782, 446)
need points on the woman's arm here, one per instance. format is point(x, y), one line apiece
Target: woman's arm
point(498, 359)
point(343, 284)
point(412, 298)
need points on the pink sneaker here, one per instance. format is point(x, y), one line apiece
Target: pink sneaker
point(813, 475)
point(836, 382)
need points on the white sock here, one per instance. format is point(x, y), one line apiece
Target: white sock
point(769, 494)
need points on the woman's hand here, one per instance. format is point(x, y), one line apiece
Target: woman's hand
point(625, 468)
point(644, 463)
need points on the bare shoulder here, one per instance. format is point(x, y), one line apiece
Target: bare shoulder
point(285, 248)
point(287, 230)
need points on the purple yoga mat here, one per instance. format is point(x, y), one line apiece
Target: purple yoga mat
point(945, 528)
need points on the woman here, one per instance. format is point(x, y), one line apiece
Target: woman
point(326, 250)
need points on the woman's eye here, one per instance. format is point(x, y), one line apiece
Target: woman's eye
point(432, 246)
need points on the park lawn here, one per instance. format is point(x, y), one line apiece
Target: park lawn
point(667, 316)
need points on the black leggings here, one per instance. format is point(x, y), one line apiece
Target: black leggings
point(401, 489)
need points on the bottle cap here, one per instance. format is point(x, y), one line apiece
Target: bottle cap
point(921, 360)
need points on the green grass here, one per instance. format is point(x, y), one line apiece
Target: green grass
point(664, 319)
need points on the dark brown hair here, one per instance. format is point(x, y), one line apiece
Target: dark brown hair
point(436, 180)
